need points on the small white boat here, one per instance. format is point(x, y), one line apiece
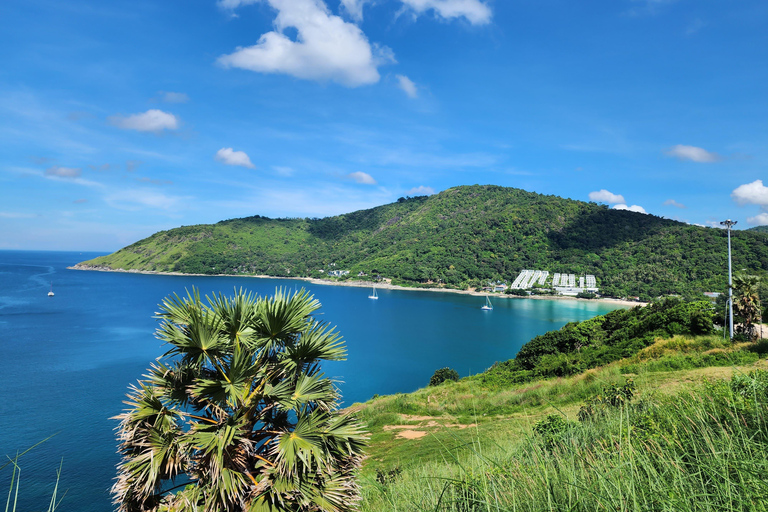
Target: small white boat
point(50, 293)
point(374, 295)
point(488, 306)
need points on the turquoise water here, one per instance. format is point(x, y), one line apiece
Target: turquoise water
point(68, 360)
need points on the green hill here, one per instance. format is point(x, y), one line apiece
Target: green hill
point(460, 237)
point(759, 229)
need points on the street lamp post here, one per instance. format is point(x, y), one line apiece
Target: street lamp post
point(728, 224)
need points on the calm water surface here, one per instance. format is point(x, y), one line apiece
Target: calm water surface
point(68, 360)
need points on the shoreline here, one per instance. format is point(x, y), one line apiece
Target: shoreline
point(367, 284)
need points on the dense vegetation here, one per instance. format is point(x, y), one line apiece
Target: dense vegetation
point(462, 237)
point(579, 346)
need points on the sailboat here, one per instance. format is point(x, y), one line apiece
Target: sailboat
point(374, 295)
point(488, 306)
point(50, 293)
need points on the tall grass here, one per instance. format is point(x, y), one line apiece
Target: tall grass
point(15, 484)
point(703, 450)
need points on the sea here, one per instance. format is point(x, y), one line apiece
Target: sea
point(68, 360)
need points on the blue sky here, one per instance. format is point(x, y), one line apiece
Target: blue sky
point(122, 118)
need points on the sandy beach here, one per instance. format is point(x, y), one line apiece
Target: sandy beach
point(367, 284)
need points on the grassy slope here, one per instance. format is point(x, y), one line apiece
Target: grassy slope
point(462, 234)
point(411, 474)
point(496, 413)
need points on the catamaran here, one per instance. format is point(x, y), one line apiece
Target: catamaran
point(373, 295)
point(488, 306)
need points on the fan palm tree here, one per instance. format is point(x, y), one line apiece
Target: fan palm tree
point(238, 415)
point(746, 301)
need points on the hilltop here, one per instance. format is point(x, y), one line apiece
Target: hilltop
point(460, 237)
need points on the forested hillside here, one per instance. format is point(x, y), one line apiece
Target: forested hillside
point(461, 236)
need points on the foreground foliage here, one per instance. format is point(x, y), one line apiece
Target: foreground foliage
point(238, 412)
point(700, 450)
point(462, 237)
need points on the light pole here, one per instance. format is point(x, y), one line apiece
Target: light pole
point(728, 224)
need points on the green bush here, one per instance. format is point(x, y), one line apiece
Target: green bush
point(442, 375)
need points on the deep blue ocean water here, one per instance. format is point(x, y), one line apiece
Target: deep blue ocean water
point(67, 360)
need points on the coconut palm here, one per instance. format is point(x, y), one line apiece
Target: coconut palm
point(238, 415)
point(746, 301)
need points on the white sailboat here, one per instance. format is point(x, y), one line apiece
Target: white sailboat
point(50, 293)
point(374, 295)
point(488, 306)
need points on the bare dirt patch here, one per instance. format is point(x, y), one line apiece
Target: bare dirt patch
point(411, 434)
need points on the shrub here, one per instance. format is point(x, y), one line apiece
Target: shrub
point(442, 375)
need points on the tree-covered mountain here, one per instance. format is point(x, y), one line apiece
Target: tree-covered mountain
point(461, 236)
point(759, 229)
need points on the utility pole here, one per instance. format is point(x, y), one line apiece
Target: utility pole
point(728, 224)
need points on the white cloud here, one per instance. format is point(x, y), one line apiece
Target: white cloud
point(692, 153)
point(326, 48)
point(672, 202)
point(230, 157)
point(420, 191)
point(760, 219)
point(64, 172)
point(362, 178)
point(407, 86)
point(174, 97)
point(354, 8)
point(603, 196)
point(751, 193)
point(633, 208)
point(474, 11)
point(150, 121)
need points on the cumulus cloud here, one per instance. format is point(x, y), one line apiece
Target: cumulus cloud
point(150, 121)
point(230, 157)
point(603, 196)
point(420, 191)
point(751, 193)
point(692, 153)
point(326, 48)
point(405, 83)
point(362, 178)
point(633, 208)
point(760, 219)
point(672, 202)
point(63, 172)
point(474, 11)
point(174, 97)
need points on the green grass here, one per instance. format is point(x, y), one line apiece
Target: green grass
point(690, 440)
point(699, 450)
